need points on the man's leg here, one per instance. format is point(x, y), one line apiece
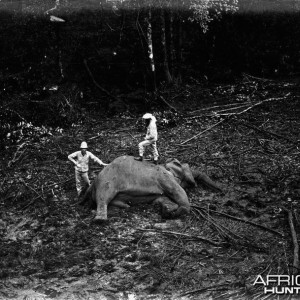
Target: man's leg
point(85, 181)
point(78, 182)
point(154, 152)
point(142, 146)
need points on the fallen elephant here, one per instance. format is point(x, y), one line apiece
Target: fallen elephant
point(126, 182)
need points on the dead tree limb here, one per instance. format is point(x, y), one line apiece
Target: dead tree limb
point(256, 78)
point(198, 291)
point(242, 220)
point(295, 242)
point(166, 102)
point(256, 104)
point(31, 188)
point(224, 231)
point(241, 112)
point(46, 191)
point(221, 106)
point(231, 108)
point(16, 158)
point(95, 137)
point(200, 238)
point(236, 114)
point(107, 93)
point(197, 135)
point(265, 132)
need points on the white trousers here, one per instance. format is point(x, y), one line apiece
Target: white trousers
point(82, 180)
point(152, 145)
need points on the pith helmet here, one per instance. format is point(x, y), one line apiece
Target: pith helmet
point(147, 116)
point(83, 145)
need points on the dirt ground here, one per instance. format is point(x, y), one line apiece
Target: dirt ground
point(245, 136)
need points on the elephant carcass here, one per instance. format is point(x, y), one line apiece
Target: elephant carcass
point(127, 181)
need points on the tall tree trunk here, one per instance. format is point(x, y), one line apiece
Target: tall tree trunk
point(167, 74)
point(172, 51)
point(59, 55)
point(150, 49)
point(179, 50)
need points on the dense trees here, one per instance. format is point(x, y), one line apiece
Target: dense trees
point(132, 47)
point(145, 42)
point(168, 14)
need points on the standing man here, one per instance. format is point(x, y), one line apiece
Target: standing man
point(81, 160)
point(150, 139)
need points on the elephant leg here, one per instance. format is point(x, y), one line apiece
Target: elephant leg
point(178, 195)
point(119, 203)
point(167, 207)
point(103, 197)
point(101, 214)
point(181, 199)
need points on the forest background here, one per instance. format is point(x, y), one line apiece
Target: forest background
point(95, 56)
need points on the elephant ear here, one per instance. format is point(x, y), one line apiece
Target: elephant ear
point(181, 172)
point(188, 175)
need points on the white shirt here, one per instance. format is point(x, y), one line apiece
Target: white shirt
point(152, 131)
point(82, 161)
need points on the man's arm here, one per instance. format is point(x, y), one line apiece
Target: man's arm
point(71, 158)
point(97, 160)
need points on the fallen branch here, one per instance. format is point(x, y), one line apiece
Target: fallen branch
point(197, 135)
point(32, 201)
point(133, 136)
point(224, 231)
point(242, 220)
point(28, 186)
point(107, 93)
point(230, 108)
point(265, 132)
point(241, 112)
point(295, 242)
point(221, 106)
point(256, 104)
point(95, 137)
point(176, 260)
point(48, 190)
point(256, 78)
point(185, 235)
point(205, 289)
point(228, 234)
point(15, 158)
point(166, 102)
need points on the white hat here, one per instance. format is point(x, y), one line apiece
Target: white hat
point(147, 116)
point(83, 145)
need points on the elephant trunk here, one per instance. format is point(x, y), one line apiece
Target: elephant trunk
point(205, 180)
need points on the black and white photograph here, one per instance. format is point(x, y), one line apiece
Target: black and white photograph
point(149, 149)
